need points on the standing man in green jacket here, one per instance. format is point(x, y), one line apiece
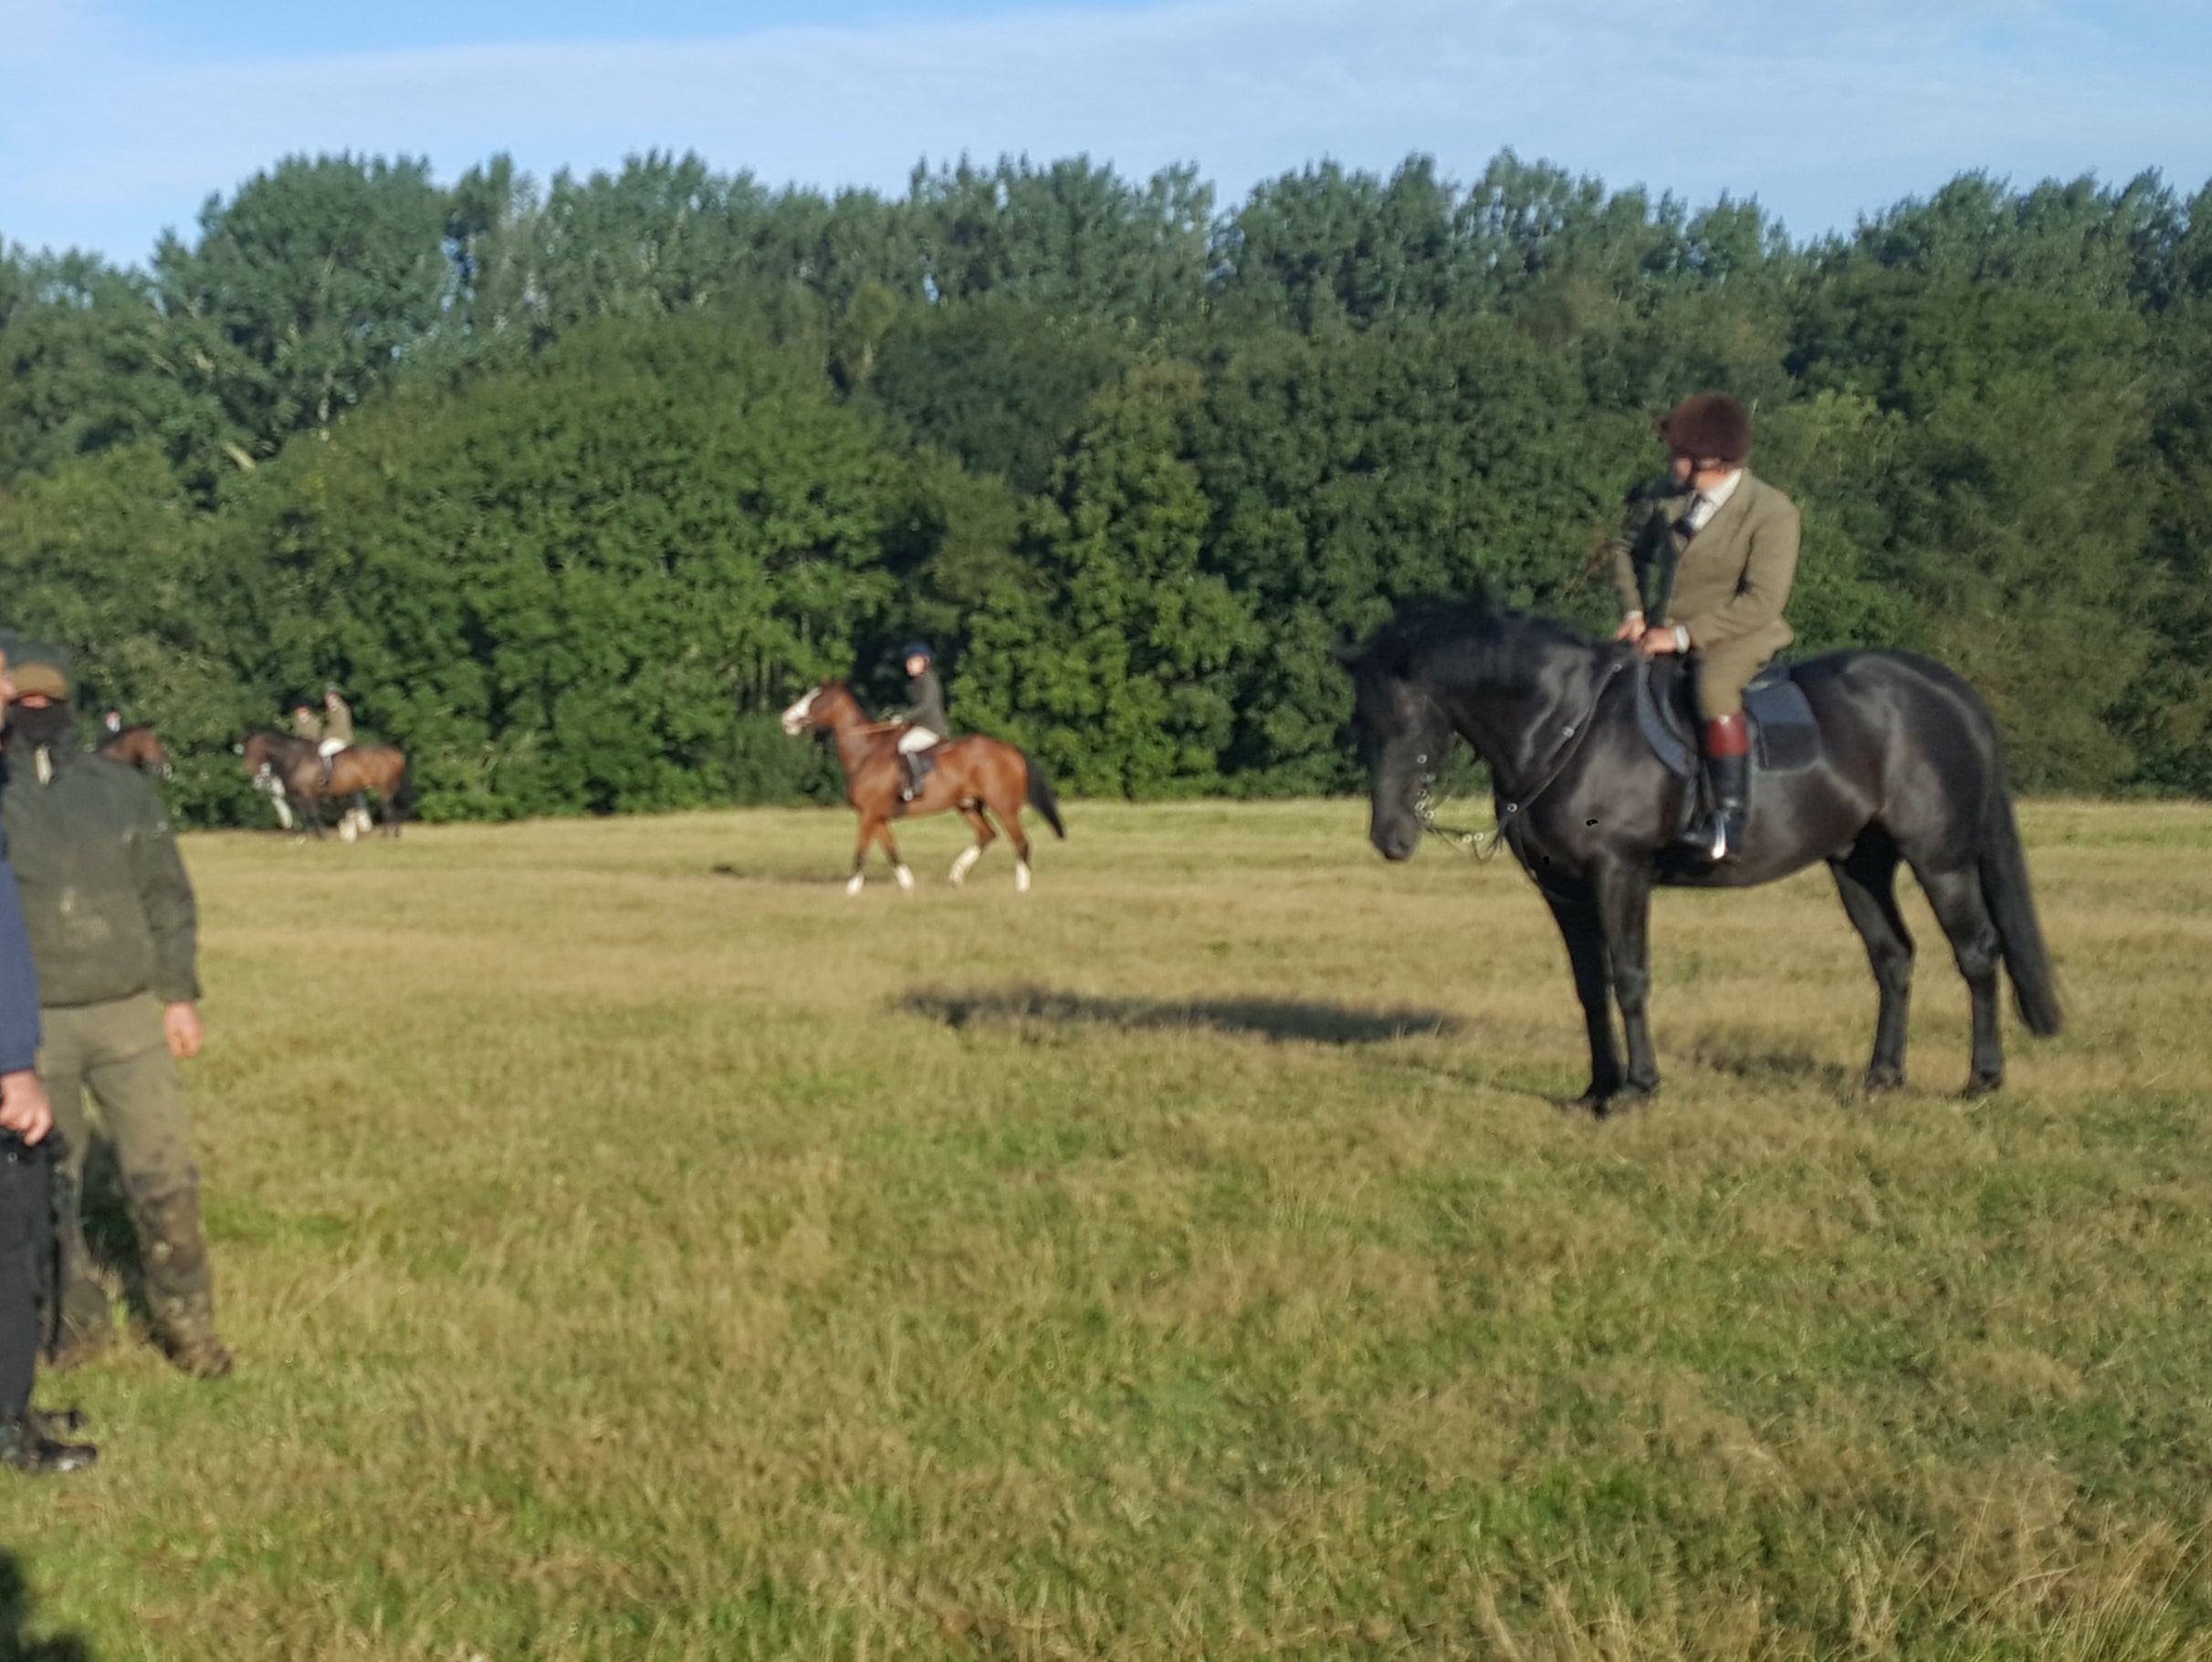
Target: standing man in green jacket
point(114, 933)
point(1717, 556)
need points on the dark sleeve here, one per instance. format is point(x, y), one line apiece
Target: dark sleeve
point(164, 894)
point(1642, 540)
point(18, 979)
point(929, 702)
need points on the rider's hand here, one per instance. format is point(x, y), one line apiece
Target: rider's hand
point(1631, 627)
point(1658, 643)
point(24, 1108)
point(180, 1026)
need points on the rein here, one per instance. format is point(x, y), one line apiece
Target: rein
point(1483, 844)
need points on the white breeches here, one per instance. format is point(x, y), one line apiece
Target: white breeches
point(329, 748)
point(918, 739)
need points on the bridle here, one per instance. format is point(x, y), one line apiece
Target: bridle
point(1483, 844)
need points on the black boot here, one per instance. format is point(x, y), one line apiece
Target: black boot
point(1723, 834)
point(1719, 836)
point(909, 776)
point(26, 1444)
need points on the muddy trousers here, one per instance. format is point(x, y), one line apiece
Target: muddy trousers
point(26, 1246)
point(118, 1052)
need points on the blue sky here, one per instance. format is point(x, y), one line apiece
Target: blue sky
point(121, 116)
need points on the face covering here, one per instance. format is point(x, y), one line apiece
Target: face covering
point(47, 728)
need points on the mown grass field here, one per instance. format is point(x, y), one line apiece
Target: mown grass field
point(636, 1248)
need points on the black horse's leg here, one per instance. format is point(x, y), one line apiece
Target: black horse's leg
point(1956, 897)
point(1624, 912)
point(1867, 879)
point(1577, 915)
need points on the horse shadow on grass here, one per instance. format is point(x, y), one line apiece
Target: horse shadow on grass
point(1277, 1020)
point(15, 1612)
point(1757, 1060)
point(770, 874)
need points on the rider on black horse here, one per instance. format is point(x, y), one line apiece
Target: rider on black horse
point(925, 716)
point(1719, 547)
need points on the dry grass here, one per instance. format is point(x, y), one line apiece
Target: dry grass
point(638, 1249)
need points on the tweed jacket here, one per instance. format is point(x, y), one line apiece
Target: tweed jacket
point(1731, 579)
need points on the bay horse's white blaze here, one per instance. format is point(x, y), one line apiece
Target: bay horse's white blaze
point(964, 864)
point(794, 718)
point(906, 877)
point(1021, 878)
point(853, 887)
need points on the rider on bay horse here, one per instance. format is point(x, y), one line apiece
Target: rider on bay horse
point(1718, 550)
point(337, 731)
point(925, 716)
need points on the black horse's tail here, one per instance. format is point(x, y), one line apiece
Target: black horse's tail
point(1041, 796)
point(2004, 870)
point(402, 794)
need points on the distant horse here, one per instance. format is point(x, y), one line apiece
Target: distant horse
point(981, 777)
point(289, 770)
point(137, 747)
point(1909, 768)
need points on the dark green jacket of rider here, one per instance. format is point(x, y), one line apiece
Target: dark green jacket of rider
point(927, 709)
point(105, 898)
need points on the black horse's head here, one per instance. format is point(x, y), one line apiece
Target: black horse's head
point(1403, 733)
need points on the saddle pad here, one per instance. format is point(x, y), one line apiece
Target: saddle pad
point(1784, 736)
point(1660, 723)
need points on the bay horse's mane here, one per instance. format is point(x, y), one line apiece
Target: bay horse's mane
point(1462, 642)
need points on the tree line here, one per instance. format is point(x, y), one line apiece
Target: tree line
point(570, 486)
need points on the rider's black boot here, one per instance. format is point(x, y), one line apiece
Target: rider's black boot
point(907, 772)
point(1728, 771)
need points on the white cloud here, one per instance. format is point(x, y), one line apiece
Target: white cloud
point(1820, 111)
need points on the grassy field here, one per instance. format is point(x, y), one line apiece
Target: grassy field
point(636, 1248)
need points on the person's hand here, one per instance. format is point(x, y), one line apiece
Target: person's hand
point(1658, 643)
point(180, 1026)
point(1631, 627)
point(24, 1108)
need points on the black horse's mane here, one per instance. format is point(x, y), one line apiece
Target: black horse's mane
point(1456, 641)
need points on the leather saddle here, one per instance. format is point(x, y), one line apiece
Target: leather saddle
point(1785, 739)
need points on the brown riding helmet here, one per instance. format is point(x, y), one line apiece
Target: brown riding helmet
point(1710, 424)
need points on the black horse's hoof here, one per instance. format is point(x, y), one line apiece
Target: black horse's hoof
point(1983, 1085)
point(1881, 1081)
point(1611, 1104)
point(1628, 1099)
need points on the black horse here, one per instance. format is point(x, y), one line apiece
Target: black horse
point(1909, 768)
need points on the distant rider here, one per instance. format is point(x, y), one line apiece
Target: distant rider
point(925, 716)
point(112, 723)
point(1721, 553)
point(337, 731)
point(306, 723)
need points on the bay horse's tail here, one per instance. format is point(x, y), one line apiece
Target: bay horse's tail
point(2004, 872)
point(1041, 796)
point(402, 794)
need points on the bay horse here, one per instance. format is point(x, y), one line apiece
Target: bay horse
point(1910, 769)
point(983, 778)
point(290, 769)
point(136, 747)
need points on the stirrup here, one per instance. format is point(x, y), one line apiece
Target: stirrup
point(1713, 839)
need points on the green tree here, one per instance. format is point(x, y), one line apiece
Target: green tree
point(1115, 660)
point(584, 586)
